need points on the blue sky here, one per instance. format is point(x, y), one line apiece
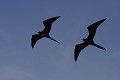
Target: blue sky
point(19, 19)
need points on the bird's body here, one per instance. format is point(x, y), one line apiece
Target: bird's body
point(89, 40)
point(45, 32)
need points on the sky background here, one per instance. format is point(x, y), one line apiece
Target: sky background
point(48, 60)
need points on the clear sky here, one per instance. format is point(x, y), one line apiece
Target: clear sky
point(48, 60)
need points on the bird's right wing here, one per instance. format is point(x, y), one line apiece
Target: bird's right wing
point(92, 28)
point(78, 49)
point(48, 23)
point(34, 39)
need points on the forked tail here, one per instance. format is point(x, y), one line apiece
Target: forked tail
point(52, 39)
point(99, 46)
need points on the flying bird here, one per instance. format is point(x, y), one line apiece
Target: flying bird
point(89, 40)
point(45, 33)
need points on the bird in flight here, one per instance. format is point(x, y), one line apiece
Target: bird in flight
point(89, 40)
point(45, 33)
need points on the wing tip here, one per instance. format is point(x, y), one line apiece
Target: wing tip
point(75, 59)
point(75, 55)
point(104, 19)
point(32, 46)
point(57, 17)
point(32, 41)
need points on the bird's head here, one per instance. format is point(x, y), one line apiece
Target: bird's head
point(83, 39)
point(39, 32)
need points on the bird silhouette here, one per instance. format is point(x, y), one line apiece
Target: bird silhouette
point(89, 40)
point(45, 33)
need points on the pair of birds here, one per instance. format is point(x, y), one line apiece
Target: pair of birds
point(78, 47)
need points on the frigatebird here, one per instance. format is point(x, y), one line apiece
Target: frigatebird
point(89, 40)
point(45, 33)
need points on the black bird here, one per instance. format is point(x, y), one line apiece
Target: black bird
point(89, 40)
point(45, 33)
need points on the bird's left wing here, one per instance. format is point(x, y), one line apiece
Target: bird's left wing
point(78, 49)
point(48, 23)
point(34, 39)
point(92, 28)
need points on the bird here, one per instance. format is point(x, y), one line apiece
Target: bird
point(45, 33)
point(89, 40)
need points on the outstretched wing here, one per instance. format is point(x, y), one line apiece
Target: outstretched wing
point(78, 49)
point(92, 28)
point(48, 24)
point(34, 39)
